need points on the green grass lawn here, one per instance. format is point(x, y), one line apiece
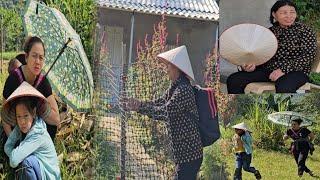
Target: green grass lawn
point(277, 166)
point(8, 55)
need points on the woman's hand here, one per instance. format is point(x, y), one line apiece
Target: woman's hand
point(285, 137)
point(276, 74)
point(248, 67)
point(54, 117)
point(131, 104)
point(311, 136)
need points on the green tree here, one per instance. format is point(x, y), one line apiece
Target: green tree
point(11, 29)
point(309, 12)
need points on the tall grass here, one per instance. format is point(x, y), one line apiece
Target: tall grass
point(3, 77)
point(214, 165)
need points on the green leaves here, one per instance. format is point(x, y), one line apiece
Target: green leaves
point(315, 78)
point(309, 12)
point(11, 25)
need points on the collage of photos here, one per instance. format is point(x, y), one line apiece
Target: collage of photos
point(160, 89)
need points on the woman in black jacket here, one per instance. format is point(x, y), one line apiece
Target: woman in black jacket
point(178, 107)
point(290, 66)
point(300, 147)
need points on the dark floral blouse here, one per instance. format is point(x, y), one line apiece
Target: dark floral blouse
point(297, 46)
point(178, 107)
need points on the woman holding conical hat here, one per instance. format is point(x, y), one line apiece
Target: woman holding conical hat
point(29, 146)
point(290, 66)
point(242, 141)
point(178, 107)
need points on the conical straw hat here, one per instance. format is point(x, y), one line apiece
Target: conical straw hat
point(25, 89)
point(179, 57)
point(242, 126)
point(248, 44)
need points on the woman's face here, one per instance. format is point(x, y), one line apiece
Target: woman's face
point(286, 15)
point(173, 72)
point(35, 59)
point(24, 118)
point(295, 125)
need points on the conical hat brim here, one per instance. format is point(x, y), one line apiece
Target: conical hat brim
point(179, 58)
point(242, 126)
point(248, 44)
point(25, 89)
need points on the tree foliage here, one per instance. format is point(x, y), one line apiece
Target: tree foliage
point(11, 28)
point(309, 12)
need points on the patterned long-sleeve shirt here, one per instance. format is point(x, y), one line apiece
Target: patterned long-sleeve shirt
point(179, 109)
point(297, 46)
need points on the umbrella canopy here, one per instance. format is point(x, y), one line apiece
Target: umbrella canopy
point(71, 76)
point(248, 44)
point(285, 118)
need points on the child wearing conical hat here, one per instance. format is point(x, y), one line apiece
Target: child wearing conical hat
point(29, 146)
point(242, 142)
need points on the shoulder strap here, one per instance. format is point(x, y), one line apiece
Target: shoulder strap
point(39, 80)
point(211, 98)
point(295, 133)
point(18, 74)
point(212, 102)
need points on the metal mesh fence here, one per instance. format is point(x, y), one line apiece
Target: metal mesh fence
point(132, 145)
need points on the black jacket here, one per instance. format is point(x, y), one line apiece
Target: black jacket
point(297, 47)
point(178, 107)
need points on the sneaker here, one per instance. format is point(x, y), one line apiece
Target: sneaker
point(300, 173)
point(257, 174)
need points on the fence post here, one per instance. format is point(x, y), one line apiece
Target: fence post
point(123, 125)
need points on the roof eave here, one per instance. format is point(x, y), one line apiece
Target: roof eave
point(216, 19)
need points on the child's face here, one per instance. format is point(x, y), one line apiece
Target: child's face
point(24, 118)
point(239, 131)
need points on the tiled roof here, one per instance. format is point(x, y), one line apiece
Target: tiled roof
point(197, 9)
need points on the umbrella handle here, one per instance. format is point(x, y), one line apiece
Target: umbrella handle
point(60, 53)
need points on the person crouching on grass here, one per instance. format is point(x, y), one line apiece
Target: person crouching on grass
point(29, 146)
point(242, 141)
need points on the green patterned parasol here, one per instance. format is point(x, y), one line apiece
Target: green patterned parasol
point(71, 76)
point(285, 118)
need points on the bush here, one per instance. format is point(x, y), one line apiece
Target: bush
point(8, 55)
point(315, 78)
point(213, 164)
point(309, 12)
point(12, 29)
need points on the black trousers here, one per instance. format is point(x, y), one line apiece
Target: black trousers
point(301, 157)
point(189, 170)
point(288, 83)
point(52, 130)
